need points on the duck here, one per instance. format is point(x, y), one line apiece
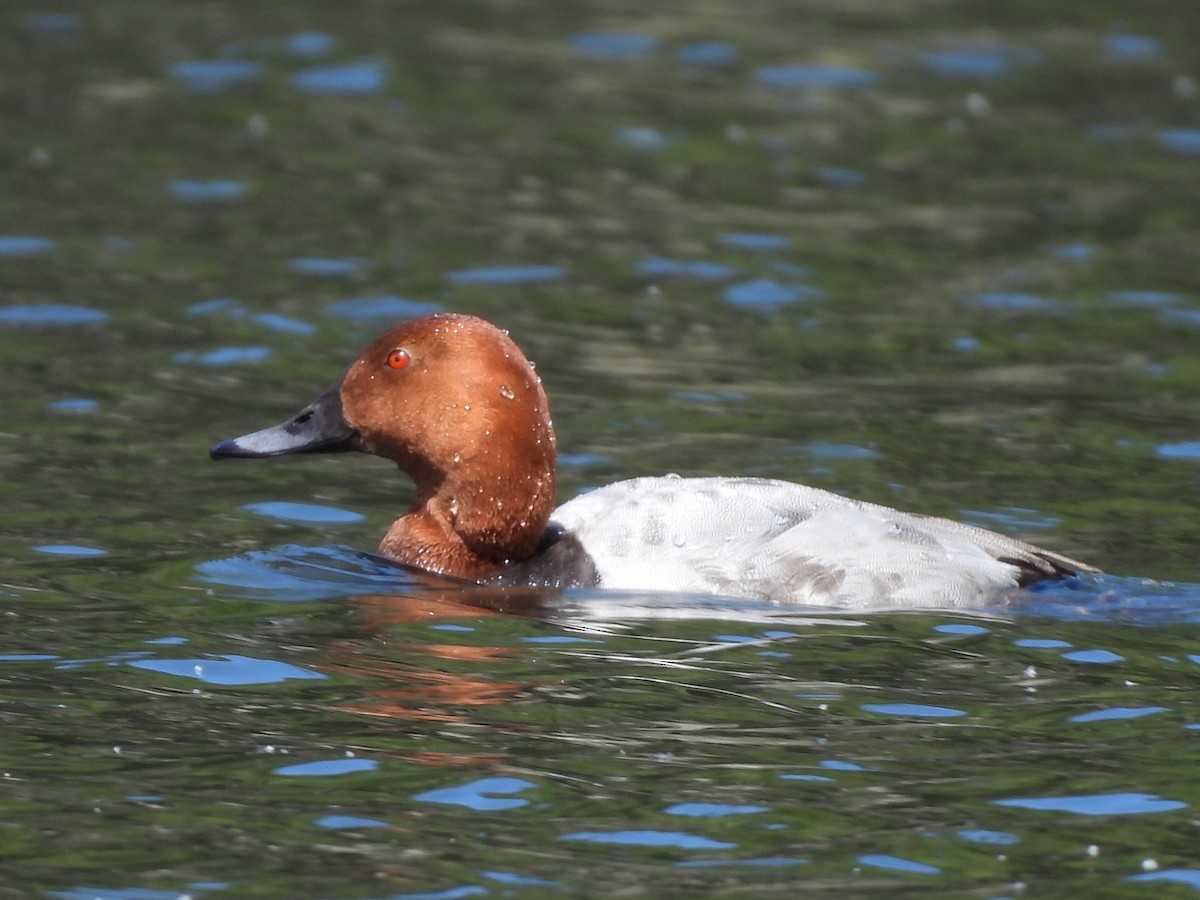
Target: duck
point(454, 403)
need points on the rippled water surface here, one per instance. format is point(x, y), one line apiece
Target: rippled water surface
point(939, 256)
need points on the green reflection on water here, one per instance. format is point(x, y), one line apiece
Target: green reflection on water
point(504, 154)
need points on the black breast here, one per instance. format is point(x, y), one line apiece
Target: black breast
point(559, 562)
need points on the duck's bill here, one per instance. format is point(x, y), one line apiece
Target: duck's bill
point(320, 427)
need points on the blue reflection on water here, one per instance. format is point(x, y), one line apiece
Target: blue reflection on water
point(790, 270)
point(1014, 302)
point(1122, 804)
point(897, 864)
point(966, 344)
point(500, 275)
point(113, 659)
point(469, 890)
point(329, 268)
point(839, 176)
point(1187, 317)
point(984, 836)
point(349, 823)
point(210, 190)
point(51, 314)
point(1182, 141)
point(1095, 657)
point(816, 76)
point(1009, 518)
point(294, 573)
point(585, 460)
point(69, 550)
point(283, 324)
point(710, 397)
point(840, 765)
point(224, 356)
point(310, 43)
point(19, 245)
point(612, 45)
point(641, 137)
point(1190, 877)
point(713, 810)
point(1111, 598)
point(322, 767)
point(708, 53)
point(660, 267)
point(73, 405)
point(767, 296)
point(678, 839)
point(763, 861)
point(520, 880)
point(217, 305)
point(959, 628)
point(1144, 298)
point(365, 77)
point(912, 710)
point(51, 22)
point(474, 794)
point(228, 669)
point(966, 63)
point(209, 76)
point(828, 450)
point(385, 306)
point(91, 893)
point(1076, 252)
point(742, 240)
point(1118, 712)
point(304, 512)
point(1133, 47)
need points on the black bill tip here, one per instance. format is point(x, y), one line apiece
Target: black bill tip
point(227, 449)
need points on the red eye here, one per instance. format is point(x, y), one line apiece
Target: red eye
point(398, 358)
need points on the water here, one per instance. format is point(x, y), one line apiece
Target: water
point(208, 689)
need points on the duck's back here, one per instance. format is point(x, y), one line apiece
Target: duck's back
point(755, 537)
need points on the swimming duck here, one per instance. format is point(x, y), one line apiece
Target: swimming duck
point(454, 402)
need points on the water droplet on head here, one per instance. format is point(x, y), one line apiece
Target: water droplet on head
point(457, 458)
point(679, 540)
point(506, 392)
point(466, 407)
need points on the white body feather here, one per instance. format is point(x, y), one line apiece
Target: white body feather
point(774, 540)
